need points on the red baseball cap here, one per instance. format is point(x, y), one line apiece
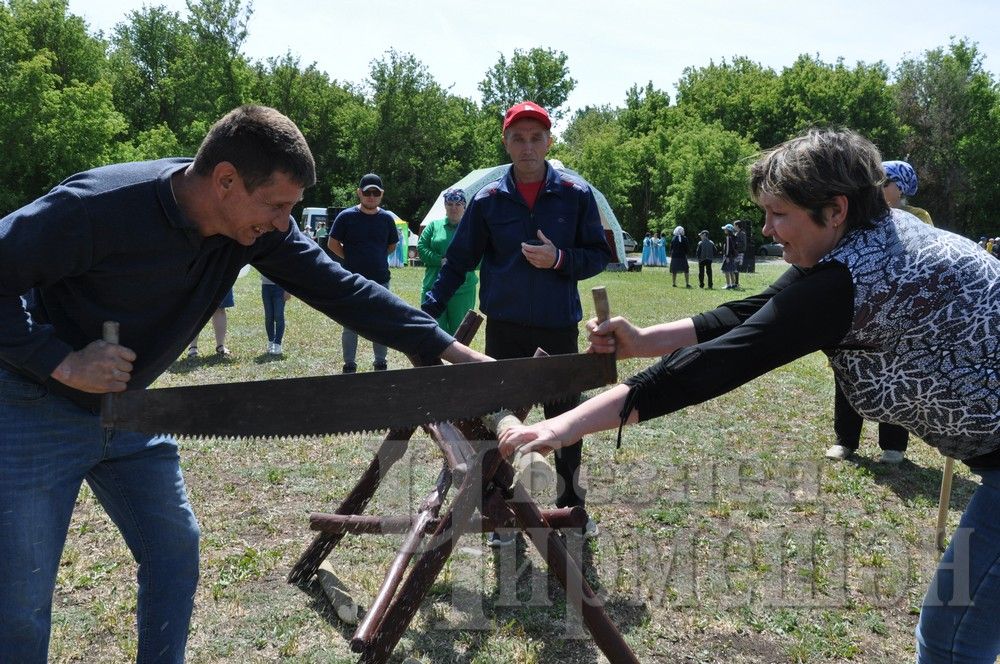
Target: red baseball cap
point(526, 110)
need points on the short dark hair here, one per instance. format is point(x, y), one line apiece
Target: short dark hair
point(812, 168)
point(259, 141)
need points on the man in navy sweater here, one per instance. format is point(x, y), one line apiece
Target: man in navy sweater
point(537, 231)
point(156, 246)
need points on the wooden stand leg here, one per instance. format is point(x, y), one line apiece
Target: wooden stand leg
point(426, 569)
point(578, 592)
point(944, 499)
point(391, 451)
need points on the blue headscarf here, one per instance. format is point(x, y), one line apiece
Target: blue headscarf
point(903, 175)
point(455, 195)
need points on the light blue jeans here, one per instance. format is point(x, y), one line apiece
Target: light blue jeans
point(48, 446)
point(273, 296)
point(960, 617)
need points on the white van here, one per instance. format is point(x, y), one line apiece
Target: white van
point(312, 216)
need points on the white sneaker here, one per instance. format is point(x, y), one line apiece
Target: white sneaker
point(839, 452)
point(275, 349)
point(891, 456)
point(270, 347)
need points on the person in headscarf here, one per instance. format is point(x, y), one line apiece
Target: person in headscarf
point(678, 257)
point(900, 184)
point(647, 249)
point(432, 246)
point(729, 254)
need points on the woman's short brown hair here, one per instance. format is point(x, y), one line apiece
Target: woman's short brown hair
point(812, 168)
point(258, 141)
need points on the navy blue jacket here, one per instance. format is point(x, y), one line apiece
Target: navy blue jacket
point(112, 244)
point(495, 224)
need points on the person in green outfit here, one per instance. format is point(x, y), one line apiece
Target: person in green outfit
point(432, 246)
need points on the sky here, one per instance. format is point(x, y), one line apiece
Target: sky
point(610, 45)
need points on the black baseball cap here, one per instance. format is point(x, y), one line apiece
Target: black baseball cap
point(371, 180)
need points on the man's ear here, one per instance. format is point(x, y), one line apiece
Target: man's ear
point(224, 176)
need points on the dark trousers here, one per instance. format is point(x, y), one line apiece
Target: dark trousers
point(510, 340)
point(705, 267)
point(847, 426)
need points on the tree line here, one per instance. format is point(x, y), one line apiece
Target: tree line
point(71, 100)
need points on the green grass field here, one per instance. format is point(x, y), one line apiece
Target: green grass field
point(725, 535)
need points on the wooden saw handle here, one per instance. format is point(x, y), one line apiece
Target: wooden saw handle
point(110, 335)
point(601, 307)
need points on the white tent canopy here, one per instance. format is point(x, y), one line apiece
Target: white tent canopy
point(479, 178)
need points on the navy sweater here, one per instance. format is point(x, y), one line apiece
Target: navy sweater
point(112, 244)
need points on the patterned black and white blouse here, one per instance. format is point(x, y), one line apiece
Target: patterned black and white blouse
point(908, 314)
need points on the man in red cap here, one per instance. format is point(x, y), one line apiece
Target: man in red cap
point(536, 232)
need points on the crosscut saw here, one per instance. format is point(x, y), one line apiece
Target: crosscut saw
point(354, 403)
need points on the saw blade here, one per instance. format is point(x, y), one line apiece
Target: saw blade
point(358, 403)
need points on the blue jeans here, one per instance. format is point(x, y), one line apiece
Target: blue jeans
point(349, 341)
point(960, 617)
point(274, 311)
point(48, 446)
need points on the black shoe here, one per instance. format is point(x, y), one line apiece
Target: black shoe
point(350, 368)
point(380, 366)
point(501, 540)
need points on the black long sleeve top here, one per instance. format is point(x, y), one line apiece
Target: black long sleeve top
point(802, 312)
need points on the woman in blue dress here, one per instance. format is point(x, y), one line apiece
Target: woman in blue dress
point(647, 248)
point(661, 250)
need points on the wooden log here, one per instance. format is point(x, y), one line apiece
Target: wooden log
point(338, 594)
point(455, 446)
point(356, 524)
point(532, 470)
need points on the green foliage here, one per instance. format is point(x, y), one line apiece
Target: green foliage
point(812, 93)
point(539, 74)
point(56, 110)
point(769, 108)
point(742, 96)
point(707, 166)
point(593, 145)
point(70, 100)
point(145, 51)
point(950, 106)
point(421, 139)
